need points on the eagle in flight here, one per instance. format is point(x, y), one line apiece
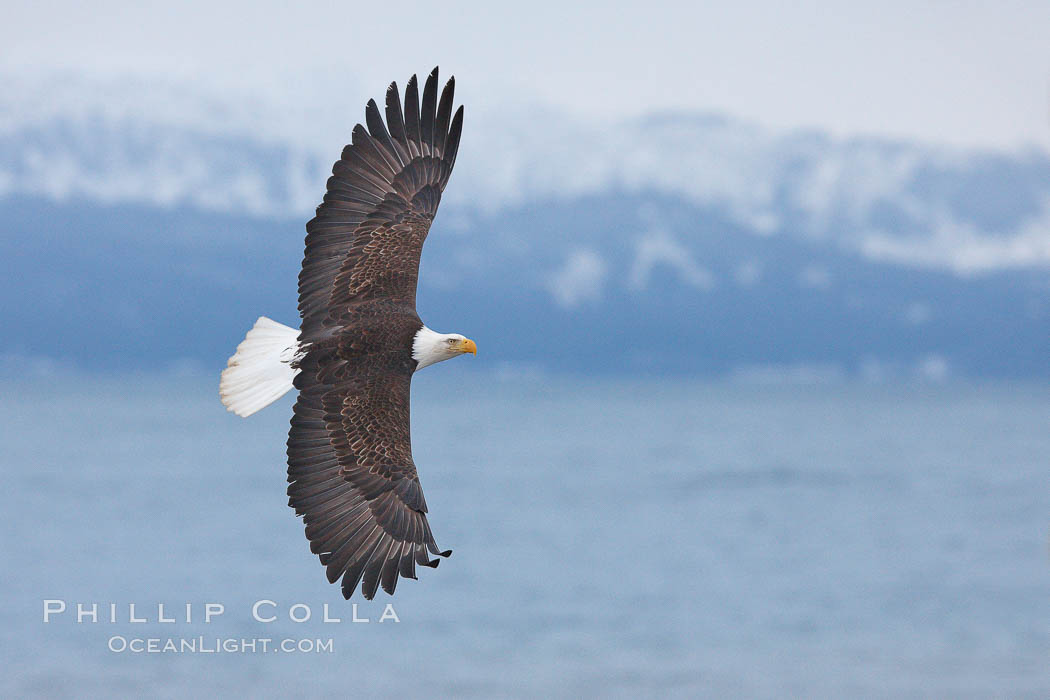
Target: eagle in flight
point(350, 469)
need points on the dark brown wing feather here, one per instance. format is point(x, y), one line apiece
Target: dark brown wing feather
point(350, 465)
point(389, 175)
point(351, 470)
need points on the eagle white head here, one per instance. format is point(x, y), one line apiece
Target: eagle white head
point(430, 346)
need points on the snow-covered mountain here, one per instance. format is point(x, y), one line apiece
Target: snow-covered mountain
point(725, 245)
point(908, 203)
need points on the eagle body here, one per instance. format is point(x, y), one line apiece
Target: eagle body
point(350, 469)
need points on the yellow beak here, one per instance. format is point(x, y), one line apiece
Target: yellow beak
point(467, 345)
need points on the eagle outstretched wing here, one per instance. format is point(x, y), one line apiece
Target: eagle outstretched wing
point(365, 241)
point(350, 465)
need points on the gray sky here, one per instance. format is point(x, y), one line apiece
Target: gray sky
point(956, 72)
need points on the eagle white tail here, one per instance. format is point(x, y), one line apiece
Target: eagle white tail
point(260, 372)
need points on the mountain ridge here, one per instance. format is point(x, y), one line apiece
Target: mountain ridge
point(670, 244)
point(968, 211)
point(111, 287)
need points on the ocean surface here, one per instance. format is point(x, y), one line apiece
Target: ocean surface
point(611, 539)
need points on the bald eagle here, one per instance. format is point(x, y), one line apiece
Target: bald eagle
point(350, 469)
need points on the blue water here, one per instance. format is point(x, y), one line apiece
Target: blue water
point(610, 538)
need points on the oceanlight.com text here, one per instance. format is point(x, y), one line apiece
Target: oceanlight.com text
point(217, 645)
